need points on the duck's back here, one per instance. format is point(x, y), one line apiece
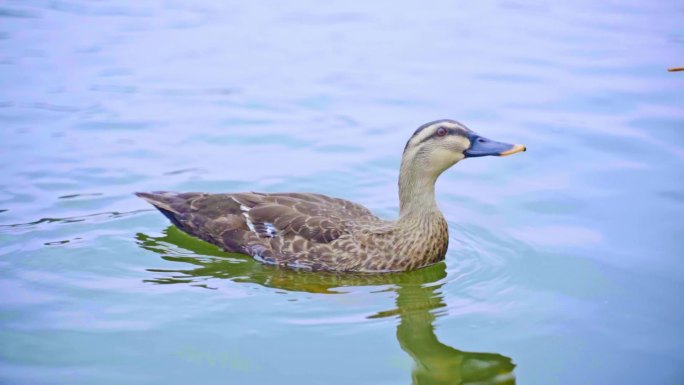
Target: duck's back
point(310, 231)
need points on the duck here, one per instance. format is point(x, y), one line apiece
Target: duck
point(311, 231)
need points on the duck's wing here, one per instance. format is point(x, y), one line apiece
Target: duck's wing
point(273, 227)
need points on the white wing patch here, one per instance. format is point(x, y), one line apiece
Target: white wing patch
point(265, 229)
point(262, 229)
point(245, 213)
point(270, 229)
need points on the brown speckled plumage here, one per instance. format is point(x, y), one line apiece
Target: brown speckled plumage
point(316, 232)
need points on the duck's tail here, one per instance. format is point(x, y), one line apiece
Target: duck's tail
point(164, 202)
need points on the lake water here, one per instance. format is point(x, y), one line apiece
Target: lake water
point(565, 265)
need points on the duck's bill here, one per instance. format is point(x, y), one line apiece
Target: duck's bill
point(480, 146)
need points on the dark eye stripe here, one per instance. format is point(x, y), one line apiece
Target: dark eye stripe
point(450, 131)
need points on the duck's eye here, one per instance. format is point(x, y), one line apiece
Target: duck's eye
point(441, 131)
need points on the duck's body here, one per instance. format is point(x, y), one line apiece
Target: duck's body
point(316, 232)
point(309, 231)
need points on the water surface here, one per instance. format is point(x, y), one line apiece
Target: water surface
point(565, 265)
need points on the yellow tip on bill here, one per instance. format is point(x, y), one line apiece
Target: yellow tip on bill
point(516, 148)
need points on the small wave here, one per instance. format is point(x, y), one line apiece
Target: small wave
point(82, 218)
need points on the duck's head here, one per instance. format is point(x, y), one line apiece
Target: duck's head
point(438, 145)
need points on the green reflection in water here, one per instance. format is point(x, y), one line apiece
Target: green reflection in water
point(418, 299)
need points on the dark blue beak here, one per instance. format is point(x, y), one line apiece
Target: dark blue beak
point(480, 146)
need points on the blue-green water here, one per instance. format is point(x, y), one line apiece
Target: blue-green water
point(565, 261)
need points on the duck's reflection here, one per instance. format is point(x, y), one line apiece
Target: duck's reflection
point(418, 299)
point(435, 362)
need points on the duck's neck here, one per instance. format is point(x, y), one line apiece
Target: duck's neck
point(416, 192)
